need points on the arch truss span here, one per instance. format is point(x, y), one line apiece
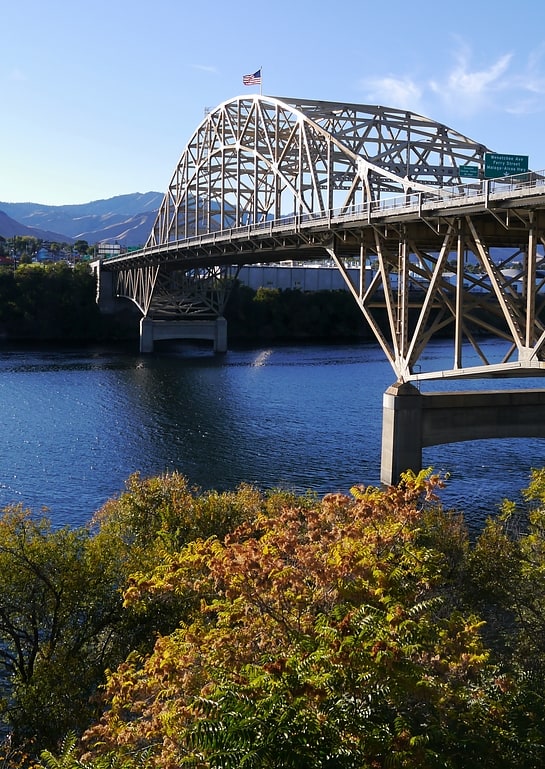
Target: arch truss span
point(258, 158)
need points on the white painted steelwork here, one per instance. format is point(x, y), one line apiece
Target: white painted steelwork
point(264, 179)
point(255, 158)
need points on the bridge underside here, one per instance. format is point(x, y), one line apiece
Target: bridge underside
point(413, 420)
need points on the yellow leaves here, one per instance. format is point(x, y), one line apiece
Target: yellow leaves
point(536, 488)
point(328, 624)
point(462, 650)
point(304, 594)
point(298, 562)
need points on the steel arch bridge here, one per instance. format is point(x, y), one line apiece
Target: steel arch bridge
point(257, 158)
point(264, 179)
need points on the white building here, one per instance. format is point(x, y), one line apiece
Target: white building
point(310, 277)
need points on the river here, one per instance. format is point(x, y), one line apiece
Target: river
point(77, 423)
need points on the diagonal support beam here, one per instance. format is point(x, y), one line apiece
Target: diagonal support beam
point(361, 304)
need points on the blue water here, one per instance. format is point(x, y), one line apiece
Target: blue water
point(76, 424)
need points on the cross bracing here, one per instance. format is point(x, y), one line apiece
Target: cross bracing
point(200, 292)
point(458, 280)
point(256, 158)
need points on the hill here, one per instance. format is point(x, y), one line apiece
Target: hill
point(125, 219)
point(9, 228)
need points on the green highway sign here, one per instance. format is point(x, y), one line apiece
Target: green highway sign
point(469, 171)
point(504, 165)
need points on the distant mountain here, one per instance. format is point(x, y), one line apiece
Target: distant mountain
point(9, 228)
point(125, 219)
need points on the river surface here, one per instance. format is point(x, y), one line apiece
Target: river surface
point(76, 424)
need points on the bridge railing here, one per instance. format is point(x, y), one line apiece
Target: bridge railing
point(416, 202)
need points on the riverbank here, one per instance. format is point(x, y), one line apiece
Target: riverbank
point(57, 303)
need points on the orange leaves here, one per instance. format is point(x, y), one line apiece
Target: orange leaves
point(291, 576)
point(319, 633)
point(290, 562)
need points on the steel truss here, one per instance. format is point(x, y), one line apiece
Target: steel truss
point(256, 158)
point(264, 179)
point(162, 292)
point(474, 279)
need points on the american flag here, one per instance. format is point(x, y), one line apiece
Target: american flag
point(254, 79)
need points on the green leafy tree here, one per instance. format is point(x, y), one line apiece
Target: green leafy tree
point(152, 520)
point(506, 584)
point(54, 302)
point(67, 758)
point(81, 246)
point(60, 602)
point(166, 512)
point(318, 634)
point(62, 619)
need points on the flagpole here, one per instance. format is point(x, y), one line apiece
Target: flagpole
point(261, 81)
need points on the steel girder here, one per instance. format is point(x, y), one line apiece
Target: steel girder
point(256, 158)
point(161, 292)
point(327, 179)
point(137, 284)
point(478, 280)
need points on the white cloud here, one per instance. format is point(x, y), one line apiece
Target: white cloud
point(205, 68)
point(523, 107)
point(498, 87)
point(529, 86)
point(467, 90)
point(399, 93)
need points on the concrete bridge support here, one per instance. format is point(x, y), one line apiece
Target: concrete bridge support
point(155, 330)
point(413, 420)
point(106, 298)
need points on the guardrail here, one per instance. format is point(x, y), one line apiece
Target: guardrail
point(472, 193)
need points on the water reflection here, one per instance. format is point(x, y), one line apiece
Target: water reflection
point(76, 425)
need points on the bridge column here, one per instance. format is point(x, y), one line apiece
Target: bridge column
point(401, 432)
point(146, 335)
point(220, 339)
point(412, 421)
point(155, 330)
point(105, 295)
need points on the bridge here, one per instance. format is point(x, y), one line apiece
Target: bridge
point(448, 240)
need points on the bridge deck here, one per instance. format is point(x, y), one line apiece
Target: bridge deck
point(305, 234)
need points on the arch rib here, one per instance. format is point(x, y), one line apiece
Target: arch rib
point(257, 157)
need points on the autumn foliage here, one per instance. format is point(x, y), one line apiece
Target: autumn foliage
point(267, 630)
point(318, 634)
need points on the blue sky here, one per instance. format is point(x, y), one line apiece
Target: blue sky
point(100, 98)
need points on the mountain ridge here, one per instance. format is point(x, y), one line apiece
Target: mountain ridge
point(125, 219)
point(10, 228)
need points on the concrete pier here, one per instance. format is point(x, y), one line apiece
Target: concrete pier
point(152, 331)
point(105, 295)
point(413, 420)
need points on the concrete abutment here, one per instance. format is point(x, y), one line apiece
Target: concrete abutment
point(413, 420)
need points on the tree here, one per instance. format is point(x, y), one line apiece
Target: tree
point(60, 602)
point(317, 634)
point(152, 520)
point(506, 583)
point(162, 514)
point(62, 619)
point(81, 246)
